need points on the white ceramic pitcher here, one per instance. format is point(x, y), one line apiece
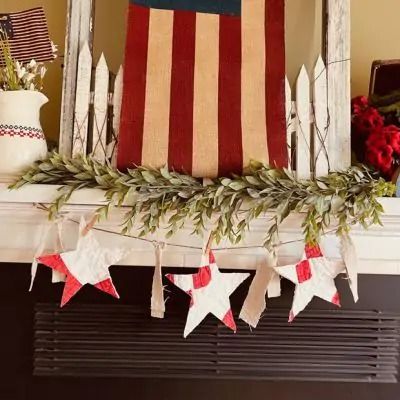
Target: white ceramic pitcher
point(21, 136)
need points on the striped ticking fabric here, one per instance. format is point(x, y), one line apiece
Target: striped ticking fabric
point(28, 35)
point(204, 85)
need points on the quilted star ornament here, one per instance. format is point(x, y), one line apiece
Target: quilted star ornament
point(209, 290)
point(88, 264)
point(313, 276)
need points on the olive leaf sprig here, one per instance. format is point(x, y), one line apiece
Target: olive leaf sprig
point(158, 198)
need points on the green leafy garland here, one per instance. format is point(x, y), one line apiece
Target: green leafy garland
point(157, 198)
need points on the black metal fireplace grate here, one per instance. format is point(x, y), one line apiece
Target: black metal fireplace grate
point(122, 341)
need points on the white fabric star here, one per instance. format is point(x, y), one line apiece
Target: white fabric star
point(209, 290)
point(313, 276)
point(88, 264)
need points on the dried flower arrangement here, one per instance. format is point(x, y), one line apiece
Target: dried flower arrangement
point(15, 75)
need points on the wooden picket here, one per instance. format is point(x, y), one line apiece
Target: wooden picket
point(303, 141)
point(307, 124)
point(82, 101)
point(79, 29)
point(337, 58)
point(289, 122)
point(100, 111)
point(117, 102)
point(97, 109)
point(321, 123)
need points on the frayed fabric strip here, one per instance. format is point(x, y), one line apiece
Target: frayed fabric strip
point(44, 234)
point(157, 291)
point(255, 304)
point(350, 260)
point(57, 276)
point(57, 246)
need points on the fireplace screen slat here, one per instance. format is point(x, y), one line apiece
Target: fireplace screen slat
point(122, 341)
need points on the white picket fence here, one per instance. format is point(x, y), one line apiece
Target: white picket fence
point(98, 107)
point(308, 123)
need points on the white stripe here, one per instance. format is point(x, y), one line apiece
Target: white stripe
point(158, 89)
point(29, 33)
point(27, 26)
point(254, 129)
point(205, 108)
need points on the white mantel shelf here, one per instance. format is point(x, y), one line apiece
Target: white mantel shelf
point(20, 221)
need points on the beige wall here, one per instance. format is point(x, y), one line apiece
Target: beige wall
point(375, 34)
point(303, 35)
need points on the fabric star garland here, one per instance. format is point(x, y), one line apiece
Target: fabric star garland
point(313, 276)
point(209, 290)
point(88, 264)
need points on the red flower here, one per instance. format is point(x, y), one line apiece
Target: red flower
point(373, 142)
point(380, 156)
point(359, 104)
point(392, 137)
point(370, 119)
point(376, 139)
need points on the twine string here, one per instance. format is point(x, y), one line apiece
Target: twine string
point(179, 245)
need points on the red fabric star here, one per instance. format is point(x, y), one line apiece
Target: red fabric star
point(88, 264)
point(209, 292)
point(314, 276)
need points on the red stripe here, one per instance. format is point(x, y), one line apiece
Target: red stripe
point(18, 52)
point(32, 20)
point(133, 101)
point(230, 151)
point(180, 146)
point(229, 321)
point(24, 43)
point(25, 48)
point(275, 82)
point(211, 257)
point(37, 40)
point(34, 10)
point(202, 278)
point(30, 34)
point(71, 288)
point(54, 261)
point(26, 29)
point(27, 25)
point(108, 287)
point(336, 299)
point(27, 58)
point(313, 251)
point(303, 271)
